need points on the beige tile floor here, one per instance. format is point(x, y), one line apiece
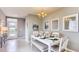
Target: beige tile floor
point(17, 45)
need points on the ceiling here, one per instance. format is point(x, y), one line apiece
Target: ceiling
point(24, 11)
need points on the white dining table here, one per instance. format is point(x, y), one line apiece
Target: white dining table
point(46, 41)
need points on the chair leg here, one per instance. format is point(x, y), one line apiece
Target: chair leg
point(4, 40)
point(1, 42)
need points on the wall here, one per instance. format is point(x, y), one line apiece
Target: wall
point(30, 20)
point(21, 28)
point(74, 36)
point(2, 17)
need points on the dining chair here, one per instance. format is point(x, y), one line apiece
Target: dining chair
point(55, 34)
point(4, 37)
point(63, 42)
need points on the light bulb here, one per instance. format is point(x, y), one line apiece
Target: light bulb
point(45, 14)
point(42, 13)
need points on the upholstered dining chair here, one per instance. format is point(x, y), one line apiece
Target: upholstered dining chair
point(55, 34)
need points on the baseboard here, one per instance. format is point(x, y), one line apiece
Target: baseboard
point(70, 50)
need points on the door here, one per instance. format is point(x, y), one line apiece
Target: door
point(12, 26)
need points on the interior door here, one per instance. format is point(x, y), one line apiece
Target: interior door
point(12, 26)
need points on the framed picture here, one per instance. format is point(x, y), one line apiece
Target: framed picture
point(46, 25)
point(35, 27)
point(55, 24)
point(70, 23)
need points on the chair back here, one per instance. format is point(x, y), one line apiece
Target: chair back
point(47, 34)
point(55, 34)
point(35, 33)
point(63, 43)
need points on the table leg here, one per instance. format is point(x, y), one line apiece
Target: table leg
point(49, 48)
point(31, 43)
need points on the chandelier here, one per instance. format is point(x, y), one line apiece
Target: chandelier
point(42, 14)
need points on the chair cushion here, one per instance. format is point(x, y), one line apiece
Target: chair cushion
point(47, 34)
point(35, 33)
point(41, 33)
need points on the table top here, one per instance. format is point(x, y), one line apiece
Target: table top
point(47, 41)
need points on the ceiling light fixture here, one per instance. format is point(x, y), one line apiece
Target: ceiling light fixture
point(42, 14)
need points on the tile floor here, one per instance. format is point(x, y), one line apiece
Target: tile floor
point(17, 45)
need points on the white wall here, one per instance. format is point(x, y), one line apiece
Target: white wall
point(2, 17)
point(30, 20)
point(74, 36)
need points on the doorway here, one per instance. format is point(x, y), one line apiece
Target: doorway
point(12, 27)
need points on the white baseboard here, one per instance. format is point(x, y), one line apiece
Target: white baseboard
point(70, 50)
